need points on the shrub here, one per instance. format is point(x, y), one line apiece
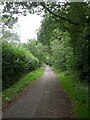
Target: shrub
point(16, 61)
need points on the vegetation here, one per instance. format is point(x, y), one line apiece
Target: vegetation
point(78, 92)
point(66, 24)
point(16, 61)
point(23, 82)
point(68, 43)
point(63, 42)
point(36, 48)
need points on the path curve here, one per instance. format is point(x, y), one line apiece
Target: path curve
point(46, 99)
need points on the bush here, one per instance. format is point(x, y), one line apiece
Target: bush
point(16, 61)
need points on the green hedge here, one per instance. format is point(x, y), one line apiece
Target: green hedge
point(16, 61)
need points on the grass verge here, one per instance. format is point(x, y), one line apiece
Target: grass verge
point(78, 92)
point(13, 90)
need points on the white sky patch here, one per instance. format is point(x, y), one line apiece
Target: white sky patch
point(28, 26)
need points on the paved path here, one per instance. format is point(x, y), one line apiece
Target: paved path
point(46, 99)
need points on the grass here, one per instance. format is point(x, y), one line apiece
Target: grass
point(78, 92)
point(13, 90)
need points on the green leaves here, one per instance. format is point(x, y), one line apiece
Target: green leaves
point(16, 61)
point(36, 48)
point(68, 43)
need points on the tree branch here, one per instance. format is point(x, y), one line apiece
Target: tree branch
point(61, 17)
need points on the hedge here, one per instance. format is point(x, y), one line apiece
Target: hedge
point(16, 61)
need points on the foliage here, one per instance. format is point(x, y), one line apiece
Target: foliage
point(36, 48)
point(39, 50)
point(16, 61)
point(16, 88)
point(68, 43)
point(63, 41)
point(58, 9)
point(11, 37)
point(70, 17)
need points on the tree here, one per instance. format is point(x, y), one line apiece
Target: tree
point(11, 37)
point(70, 19)
point(76, 49)
point(36, 48)
point(55, 8)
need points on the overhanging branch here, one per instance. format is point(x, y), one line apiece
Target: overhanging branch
point(58, 16)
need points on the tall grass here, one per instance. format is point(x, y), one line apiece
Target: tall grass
point(78, 91)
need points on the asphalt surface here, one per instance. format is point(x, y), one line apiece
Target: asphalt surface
point(46, 99)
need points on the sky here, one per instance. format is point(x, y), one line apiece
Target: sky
point(28, 26)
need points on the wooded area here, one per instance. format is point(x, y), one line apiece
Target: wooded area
point(63, 39)
point(62, 43)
